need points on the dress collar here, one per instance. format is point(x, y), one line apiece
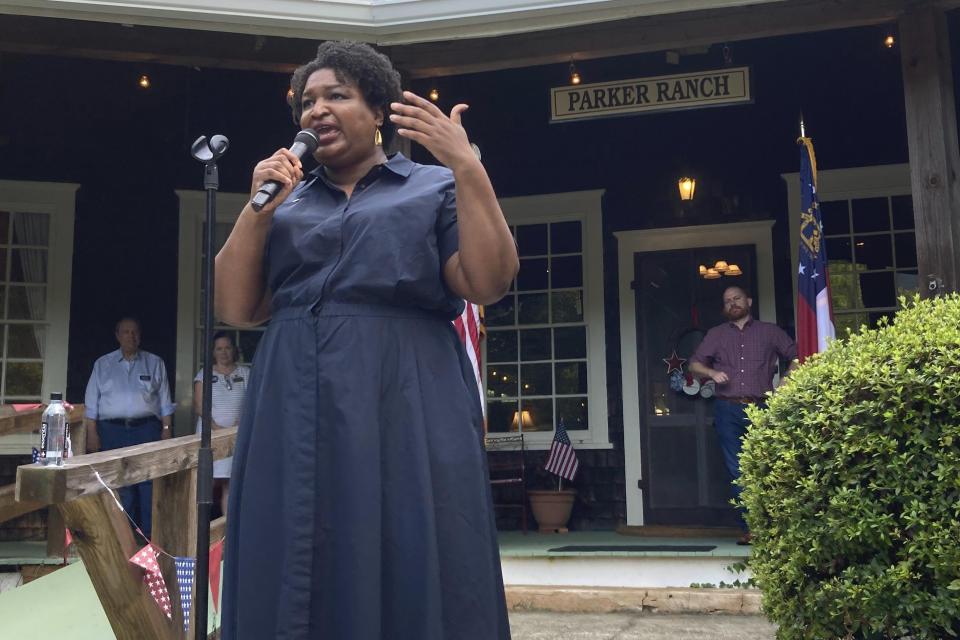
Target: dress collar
point(396, 163)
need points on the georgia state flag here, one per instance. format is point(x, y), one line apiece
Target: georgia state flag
point(814, 309)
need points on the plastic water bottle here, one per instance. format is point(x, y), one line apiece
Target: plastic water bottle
point(53, 431)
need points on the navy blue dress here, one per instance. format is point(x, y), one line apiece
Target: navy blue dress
point(360, 505)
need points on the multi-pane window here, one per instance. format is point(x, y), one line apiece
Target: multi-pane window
point(536, 344)
point(24, 249)
point(872, 254)
point(246, 339)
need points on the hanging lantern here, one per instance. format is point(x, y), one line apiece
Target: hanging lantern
point(733, 270)
point(687, 186)
point(721, 266)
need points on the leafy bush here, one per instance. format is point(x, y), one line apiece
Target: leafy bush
point(852, 482)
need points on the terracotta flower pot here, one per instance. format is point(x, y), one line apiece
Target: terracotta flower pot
point(551, 508)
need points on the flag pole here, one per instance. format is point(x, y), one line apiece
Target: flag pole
point(803, 132)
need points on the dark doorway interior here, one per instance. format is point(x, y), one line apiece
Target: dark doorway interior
point(684, 481)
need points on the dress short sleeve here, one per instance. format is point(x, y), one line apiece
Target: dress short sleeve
point(199, 376)
point(448, 240)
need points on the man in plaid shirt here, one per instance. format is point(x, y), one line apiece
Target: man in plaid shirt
point(740, 356)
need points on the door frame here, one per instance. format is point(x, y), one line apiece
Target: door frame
point(757, 233)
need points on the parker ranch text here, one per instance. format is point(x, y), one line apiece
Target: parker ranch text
point(709, 88)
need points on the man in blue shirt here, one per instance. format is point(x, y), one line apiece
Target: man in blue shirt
point(128, 403)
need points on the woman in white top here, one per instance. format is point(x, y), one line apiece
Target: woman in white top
point(229, 389)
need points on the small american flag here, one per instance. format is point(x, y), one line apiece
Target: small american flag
point(469, 325)
point(36, 454)
point(562, 460)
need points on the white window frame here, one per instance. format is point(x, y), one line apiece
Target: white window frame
point(585, 207)
point(193, 215)
point(58, 200)
point(852, 183)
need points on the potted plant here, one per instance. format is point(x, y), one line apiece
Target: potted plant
point(551, 507)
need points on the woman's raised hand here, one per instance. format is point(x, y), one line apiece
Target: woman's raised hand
point(284, 167)
point(422, 121)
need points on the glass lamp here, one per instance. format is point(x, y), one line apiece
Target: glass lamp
point(521, 416)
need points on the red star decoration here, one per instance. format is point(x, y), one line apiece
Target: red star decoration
point(674, 363)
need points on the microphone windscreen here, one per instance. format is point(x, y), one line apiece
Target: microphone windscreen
point(308, 138)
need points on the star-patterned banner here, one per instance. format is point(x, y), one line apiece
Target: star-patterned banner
point(153, 578)
point(185, 570)
point(216, 552)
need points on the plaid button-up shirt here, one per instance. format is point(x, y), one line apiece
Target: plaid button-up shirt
point(748, 356)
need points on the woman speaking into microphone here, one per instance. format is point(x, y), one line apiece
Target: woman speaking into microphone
point(360, 505)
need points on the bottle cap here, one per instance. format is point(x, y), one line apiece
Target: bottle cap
point(56, 395)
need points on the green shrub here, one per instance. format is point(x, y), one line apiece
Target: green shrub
point(852, 482)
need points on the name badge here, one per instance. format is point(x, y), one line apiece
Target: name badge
point(145, 378)
point(238, 379)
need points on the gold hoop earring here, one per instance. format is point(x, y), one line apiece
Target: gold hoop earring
point(377, 138)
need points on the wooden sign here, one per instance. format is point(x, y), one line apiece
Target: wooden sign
point(640, 95)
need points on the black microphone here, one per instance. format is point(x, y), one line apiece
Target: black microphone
point(305, 142)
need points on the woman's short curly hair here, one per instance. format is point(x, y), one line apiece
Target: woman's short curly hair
point(357, 62)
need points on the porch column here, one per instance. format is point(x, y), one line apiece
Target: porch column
point(932, 143)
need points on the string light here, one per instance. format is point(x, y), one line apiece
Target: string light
point(574, 76)
point(434, 95)
point(144, 82)
point(889, 41)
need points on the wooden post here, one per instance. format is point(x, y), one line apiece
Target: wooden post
point(10, 508)
point(56, 540)
point(175, 528)
point(105, 542)
point(932, 143)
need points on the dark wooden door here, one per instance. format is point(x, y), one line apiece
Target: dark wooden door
point(684, 480)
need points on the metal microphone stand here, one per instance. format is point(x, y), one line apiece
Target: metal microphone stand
point(207, 153)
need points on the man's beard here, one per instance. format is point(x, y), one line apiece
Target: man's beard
point(736, 313)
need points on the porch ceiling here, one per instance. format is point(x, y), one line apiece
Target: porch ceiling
point(497, 34)
point(386, 22)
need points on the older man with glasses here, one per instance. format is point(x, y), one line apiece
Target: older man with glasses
point(128, 403)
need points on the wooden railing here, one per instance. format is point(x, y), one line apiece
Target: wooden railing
point(28, 421)
point(102, 533)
